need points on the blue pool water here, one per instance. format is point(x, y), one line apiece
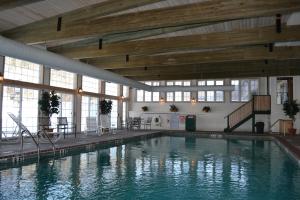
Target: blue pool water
point(161, 168)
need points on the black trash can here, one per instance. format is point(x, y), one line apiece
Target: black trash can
point(260, 127)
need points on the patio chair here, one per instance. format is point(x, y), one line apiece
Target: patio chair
point(147, 123)
point(136, 123)
point(92, 125)
point(62, 124)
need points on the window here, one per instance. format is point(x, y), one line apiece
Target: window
point(243, 90)
point(282, 91)
point(125, 91)
point(170, 96)
point(21, 70)
point(140, 95)
point(170, 83)
point(65, 108)
point(148, 96)
point(124, 112)
point(90, 84)
point(211, 96)
point(178, 96)
point(186, 96)
point(201, 95)
point(64, 79)
point(111, 89)
point(23, 103)
point(114, 114)
point(89, 108)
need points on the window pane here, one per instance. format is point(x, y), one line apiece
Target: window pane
point(111, 89)
point(235, 95)
point(220, 82)
point(210, 82)
point(170, 83)
point(178, 96)
point(187, 83)
point(210, 95)
point(201, 83)
point(140, 95)
point(220, 96)
point(60, 78)
point(114, 114)
point(89, 108)
point(155, 96)
point(21, 70)
point(155, 83)
point(254, 86)
point(148, 96)
point(245, 92)
point(65, 109)
point(148, 83)
point(170, 96)
point(90, 84)
point(178, 83)
point(125, 91)
point(187, 96)
point(201, 95)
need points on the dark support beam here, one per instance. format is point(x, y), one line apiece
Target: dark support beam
point(278, 23)
point(59, 21)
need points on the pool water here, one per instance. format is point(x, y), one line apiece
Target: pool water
point(161, 168)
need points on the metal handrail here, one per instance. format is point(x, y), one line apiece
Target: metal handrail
point(48, 138)
point(25, 130)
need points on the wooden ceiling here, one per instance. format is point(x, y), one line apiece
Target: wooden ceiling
point(165, 39)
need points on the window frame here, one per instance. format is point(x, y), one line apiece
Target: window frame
point(240, 89)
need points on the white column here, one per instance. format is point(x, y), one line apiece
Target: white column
point(77, 104)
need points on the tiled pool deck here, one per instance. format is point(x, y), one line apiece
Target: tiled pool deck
point(10, 153)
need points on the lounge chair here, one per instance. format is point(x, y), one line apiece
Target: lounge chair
point(104, 124)
point(92, 125)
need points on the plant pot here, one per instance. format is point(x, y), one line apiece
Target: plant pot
point(292, 131)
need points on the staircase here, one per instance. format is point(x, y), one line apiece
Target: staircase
point(259, 104)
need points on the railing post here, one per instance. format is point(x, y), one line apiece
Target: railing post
point(253, 115)
point(228, 122)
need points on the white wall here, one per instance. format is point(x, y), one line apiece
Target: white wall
point(214, 120)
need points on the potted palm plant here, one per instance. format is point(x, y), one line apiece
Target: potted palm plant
point(291, 109)
point(105, 110)
point(49, 105)
point(173, 108)
point(145, 108)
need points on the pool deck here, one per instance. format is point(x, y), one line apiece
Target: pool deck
point(10, 153)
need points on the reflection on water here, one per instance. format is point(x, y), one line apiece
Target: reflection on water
point(161, 168)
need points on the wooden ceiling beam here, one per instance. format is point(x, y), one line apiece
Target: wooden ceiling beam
point(212, 40)
point(224, 55)
point(204, 12)
point(9, 4)
point(33, 33)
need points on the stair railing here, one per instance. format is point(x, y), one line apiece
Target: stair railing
point(259, 104)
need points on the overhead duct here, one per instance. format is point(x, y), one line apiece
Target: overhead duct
point(191, 88)
point(19, 50)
